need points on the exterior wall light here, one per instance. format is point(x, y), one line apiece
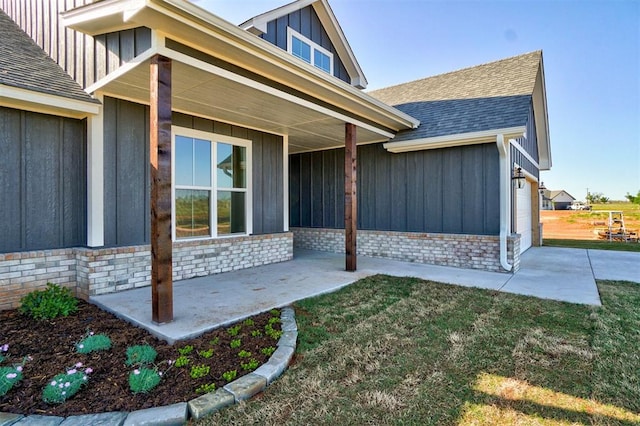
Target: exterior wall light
point(518, 176)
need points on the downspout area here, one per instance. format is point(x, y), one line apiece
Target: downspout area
point(505, 208)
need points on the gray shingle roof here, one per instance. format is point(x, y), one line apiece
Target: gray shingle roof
point(25, 65)
point(485, 97)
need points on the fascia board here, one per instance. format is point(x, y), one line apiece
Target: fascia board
point(102, 17)
point(29, 100)
point(461, 139)
point(542, 119)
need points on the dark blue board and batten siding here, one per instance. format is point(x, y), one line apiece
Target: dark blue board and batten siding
point(126, 171)
point(530, 145)
point(306, 22)
point(42, 181)
point(87, 59)
point(451, 190)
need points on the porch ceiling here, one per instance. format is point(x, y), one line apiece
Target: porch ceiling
point(201, 93)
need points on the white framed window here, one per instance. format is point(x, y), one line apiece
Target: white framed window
point(305, 49)
point(211, 181)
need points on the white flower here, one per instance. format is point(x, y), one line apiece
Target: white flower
point(160, 373)
point(136, 371)
point(53, 383)
point(79, 364)
point(88, 370)
point(11, 375)
point(61, 385)
point(80, 346)
point(66, 385)
point(72, 371)
point(19, 368)
point(64, 393)
point(91, 333)
point(84, 378)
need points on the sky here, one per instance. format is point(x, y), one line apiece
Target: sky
point(591, 54)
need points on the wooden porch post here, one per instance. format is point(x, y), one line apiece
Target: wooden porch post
point(160, 158)
point(350, 199)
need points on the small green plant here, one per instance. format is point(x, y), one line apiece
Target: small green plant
point(198, 371)
point(63, 386)
point(244, 354)
point(235, 343)
point(206, 354)
point(93, 343)
point(140, 354)
point(275, 312)
point(251, 365)
point(142, 380)
point(268, 351)
point(53, 302)
point(274, 320)
point(9, 376)
point(182, 361)
point(186, 350)
point(256, 333)
point(3, 351)
point(230, 375)
point(233, 331)
point(207, 388)
point(271, 332)
point(248, 322)
point(214, 341)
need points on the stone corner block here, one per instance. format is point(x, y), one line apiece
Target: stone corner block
point(288, 318)
point(288, 338)
point(246, 386)
point(169, 415)
point(37, 420)
point(7, 419)
point(210, 403)
point(103, 419)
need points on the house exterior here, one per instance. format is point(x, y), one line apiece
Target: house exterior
point(558, 199)
point(156, 133)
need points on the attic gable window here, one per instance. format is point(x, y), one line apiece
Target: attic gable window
point(310, 52)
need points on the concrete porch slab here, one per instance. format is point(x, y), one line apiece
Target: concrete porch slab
point(615, 265)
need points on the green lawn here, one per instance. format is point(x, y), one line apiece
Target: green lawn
point(593, 244)
point(404, 351)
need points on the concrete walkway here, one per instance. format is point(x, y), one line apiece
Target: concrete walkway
point(201, 304)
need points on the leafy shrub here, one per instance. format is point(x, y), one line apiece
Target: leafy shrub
point(251, 365)
point(256, 333)
point(214, 341)
point(206, 354)
point(186, 350)
point(142, 380)
point(230, 375)
point(233, 331)
point(235, 343)
point(268, 351)
point(198, 371)
point(248, 322)
point(275, 312)
point(182, 361)
point(140, 354)
point(207, 388)
point(244, 354)
point(63, 386)
point(271, 332)
point(53, 302)
point(94, 343)
point(9, 376)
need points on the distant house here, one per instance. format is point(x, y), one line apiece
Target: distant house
point(260, 123)
point(556, 200)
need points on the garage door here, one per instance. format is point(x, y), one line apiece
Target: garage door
point(523, 222)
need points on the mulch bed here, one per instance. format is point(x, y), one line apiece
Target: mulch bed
point(51, 344)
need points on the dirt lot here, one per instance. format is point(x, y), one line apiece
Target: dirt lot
point(580, 225)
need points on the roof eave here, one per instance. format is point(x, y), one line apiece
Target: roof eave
point(29, 100)
point(460, 139)
point(541, 115)
point(182, 20)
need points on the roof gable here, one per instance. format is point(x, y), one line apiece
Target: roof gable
point(258, 25)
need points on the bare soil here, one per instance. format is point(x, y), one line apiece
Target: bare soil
point(51, 344)
point(576, 225)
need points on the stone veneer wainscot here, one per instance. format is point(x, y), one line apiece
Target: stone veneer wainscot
point(90, 272)
point(462, 251)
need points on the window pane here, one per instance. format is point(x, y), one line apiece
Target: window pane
point(322, 61)
point(300, 49)
point(184, 160)
point(232, 166)
point(202, 162)
point(192, 213)
point(231, 212)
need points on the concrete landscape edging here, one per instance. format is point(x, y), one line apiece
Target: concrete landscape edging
point(178, 414)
